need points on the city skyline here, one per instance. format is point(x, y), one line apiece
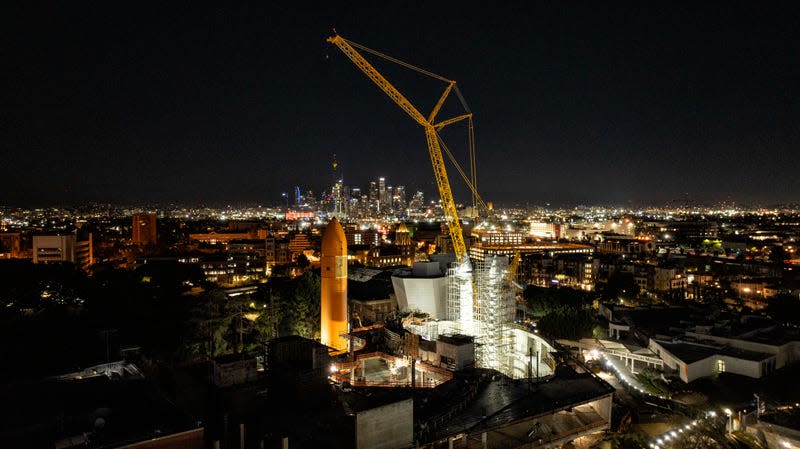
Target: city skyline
point(238, 104)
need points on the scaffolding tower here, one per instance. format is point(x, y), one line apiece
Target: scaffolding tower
point(480, 303)
point(460, 298)
point(493, 311)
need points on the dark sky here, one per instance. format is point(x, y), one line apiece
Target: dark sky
point(624, 103)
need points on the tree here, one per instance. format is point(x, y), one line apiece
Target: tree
point(302, 308)
point(633, 440)
point(784, 308)
point(567, 322)
point(302, 261)
point(266, 325)
point(708, 434)
point(210, 321)
point(542, 301)
point(620, 285)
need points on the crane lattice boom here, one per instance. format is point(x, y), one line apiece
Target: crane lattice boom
point(431, 136)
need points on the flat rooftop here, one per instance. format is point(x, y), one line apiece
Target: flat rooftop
point(690, 352)
point(505, 401)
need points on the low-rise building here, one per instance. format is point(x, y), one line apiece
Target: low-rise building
point(63, 248)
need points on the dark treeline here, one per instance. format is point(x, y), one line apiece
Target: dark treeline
point(55, 319)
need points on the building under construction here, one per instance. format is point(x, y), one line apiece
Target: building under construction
point(482, 304)
point(480, 297)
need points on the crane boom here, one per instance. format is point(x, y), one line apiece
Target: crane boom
point(431, 136)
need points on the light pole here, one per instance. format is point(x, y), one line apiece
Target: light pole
point(729, 426)
point(286, 199)
point(758, 406)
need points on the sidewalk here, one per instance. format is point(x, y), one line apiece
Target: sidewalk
point(625, 376)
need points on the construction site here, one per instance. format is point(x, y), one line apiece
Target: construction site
point(476, 377)
point(480, 294)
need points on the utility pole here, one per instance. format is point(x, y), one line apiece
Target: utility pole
point(105, 333)
point(241, 327)
point(530, 369)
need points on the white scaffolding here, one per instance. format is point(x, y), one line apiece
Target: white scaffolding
point(494, 310)
point(480, 302)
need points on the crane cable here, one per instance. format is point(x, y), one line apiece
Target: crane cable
point(397, 61)
point(472, 180)
point(413, 67)
point(460, 170)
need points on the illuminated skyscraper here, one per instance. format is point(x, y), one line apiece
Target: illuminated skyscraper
point(374, 196)
point(382, 193)
point(399, 200)
point(336, 193)
point(417, 202)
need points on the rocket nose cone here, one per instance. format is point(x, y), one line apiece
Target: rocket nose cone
point(334, 241)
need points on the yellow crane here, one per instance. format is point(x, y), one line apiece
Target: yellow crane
point(431, 127)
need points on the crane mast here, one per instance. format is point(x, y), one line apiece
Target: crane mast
point(431, 136)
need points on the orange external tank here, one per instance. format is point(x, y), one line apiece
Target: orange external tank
point(333, 307)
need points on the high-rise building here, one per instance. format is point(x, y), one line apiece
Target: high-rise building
point(354, 204)
point(336, 197)
point(10, 245)
point(144, 229)
point(399, 200)
point(333, 288)
point(374, 196)
point(417, 202)
point(382, 193)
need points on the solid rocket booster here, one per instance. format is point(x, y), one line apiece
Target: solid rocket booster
point(333, 307)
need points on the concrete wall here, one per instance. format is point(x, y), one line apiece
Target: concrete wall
point(463, 354)
point(749, 368)
point(53, 248)
point(423, 294)
point(191, 439)
point(524, 340)
point(603, 407)
point(387, 427)
point(776, 436)
point(792, 353)
point(686, 372)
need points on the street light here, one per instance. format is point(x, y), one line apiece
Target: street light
point(730, 419)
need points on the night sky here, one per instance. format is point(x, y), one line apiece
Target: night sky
point(576, 103)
